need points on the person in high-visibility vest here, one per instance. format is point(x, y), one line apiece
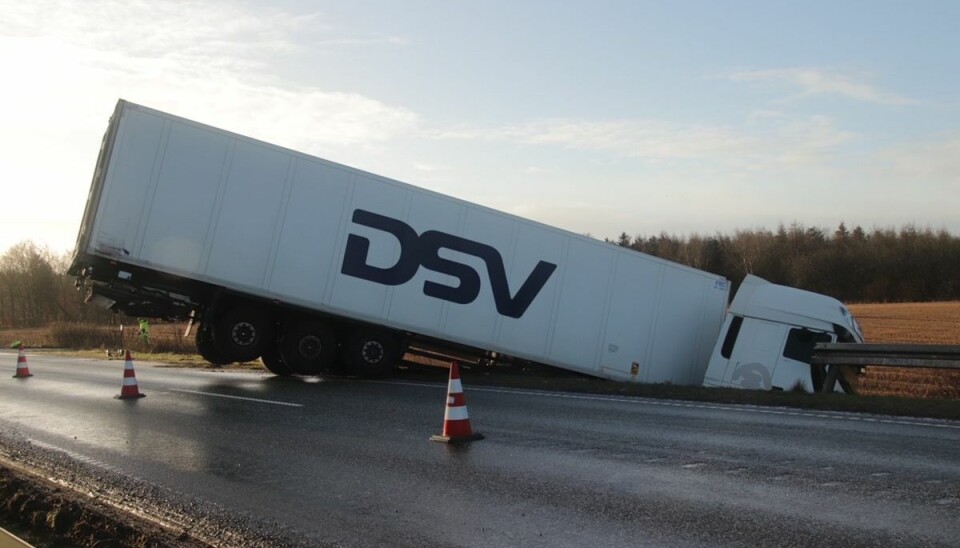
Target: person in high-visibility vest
point(144, 331)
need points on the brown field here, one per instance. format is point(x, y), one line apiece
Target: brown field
point(917, 323)
point(920, 323)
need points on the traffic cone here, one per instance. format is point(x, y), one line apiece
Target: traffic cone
point(456, 420)
point(23, 371)
point(129, 389)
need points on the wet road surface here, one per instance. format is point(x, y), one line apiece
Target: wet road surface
point(345, 461)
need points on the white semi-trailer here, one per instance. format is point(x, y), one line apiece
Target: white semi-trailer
point(309, 265)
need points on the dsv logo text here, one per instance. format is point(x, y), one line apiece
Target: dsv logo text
point(424, 250)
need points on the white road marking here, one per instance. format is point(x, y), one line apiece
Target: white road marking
point(838, 415)
point(273, 402)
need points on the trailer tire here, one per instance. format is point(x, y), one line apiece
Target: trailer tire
point(308, 347)
point(273, 362)
point(205, 346)
point(371, 353)
point(242, 333)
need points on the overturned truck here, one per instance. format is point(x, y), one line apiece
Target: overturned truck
point(310, 265)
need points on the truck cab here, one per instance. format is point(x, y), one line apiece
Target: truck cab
point(769, 334)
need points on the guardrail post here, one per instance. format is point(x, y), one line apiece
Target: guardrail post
point(831, 379)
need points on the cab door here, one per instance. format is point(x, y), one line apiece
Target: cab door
point(748, 354)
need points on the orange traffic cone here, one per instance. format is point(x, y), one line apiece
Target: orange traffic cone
point(130, 389)
point(23, 371)
point(456, 420)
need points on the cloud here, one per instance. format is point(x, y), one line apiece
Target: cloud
point(814, 81)
point(932, 163)
point(646, 139)
point(775, 139)
point(210, 61)
point(371, 41)
point(427, 167)
point(177, 31)
point(66, 63)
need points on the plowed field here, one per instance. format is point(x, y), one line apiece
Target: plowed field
point(917, 323)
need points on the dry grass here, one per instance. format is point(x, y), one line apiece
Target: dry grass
point(917, 323)
point(165, 338)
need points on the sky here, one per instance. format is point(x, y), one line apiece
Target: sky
point(598, 117)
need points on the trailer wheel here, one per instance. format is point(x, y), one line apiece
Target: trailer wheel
point(273, 362)
point(308, 347)
point(242, 333)
point(206, 348)
point(371, 353)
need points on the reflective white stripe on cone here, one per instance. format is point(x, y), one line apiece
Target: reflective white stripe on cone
point(456, 420)
point(129, 389)
point(23, 370)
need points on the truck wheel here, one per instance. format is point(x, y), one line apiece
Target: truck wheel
point(242, 333)
point(371, 353)
point(308, 347)
point(205, 346)
point(273, 361)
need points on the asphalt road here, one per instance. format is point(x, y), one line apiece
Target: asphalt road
point(343, 461)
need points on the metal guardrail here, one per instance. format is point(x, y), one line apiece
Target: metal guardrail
point(833, 356)
point(937, 356)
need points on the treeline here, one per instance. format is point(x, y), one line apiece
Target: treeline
point(35, 289)
point(883, 265)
